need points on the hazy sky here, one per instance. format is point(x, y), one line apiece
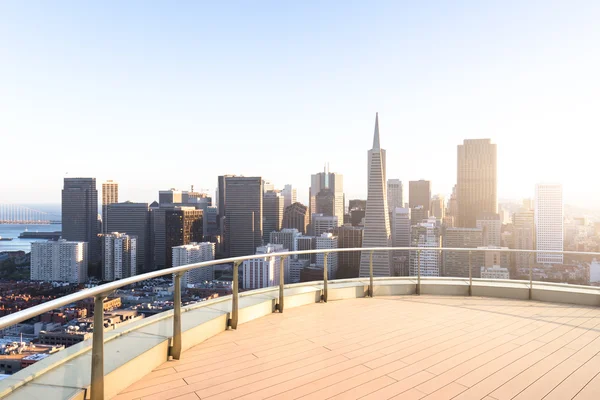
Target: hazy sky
point(168, 94)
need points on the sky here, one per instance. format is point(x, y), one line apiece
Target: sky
point(157, 95)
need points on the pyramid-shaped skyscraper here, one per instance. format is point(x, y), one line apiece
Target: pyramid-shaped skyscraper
point(377, 220)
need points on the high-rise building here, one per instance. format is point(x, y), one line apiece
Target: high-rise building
point(286, 238)
point(395, 194)
point(549, 222)
point(60, 261)
point(419, 194)
point(456, 263)
point(452, 209)
point(306, 243)
point(492, 258)
point(523, 239)
point(170, 196)
point(476, 185)
point(528, 204)
point(296, 216)
point(348, 237)
point(119, 256)
point(327, 241)
point(243, 215)
point(80, 215)
point(134, 220)
point(289, 195)
point(210, 227)
point(438, 206)
point(110, 195)
point(425, 234)
point(327, 180)
point(401, 232)
point(377, 217)
point(193, 253)
point(492, 228)
point(268, 186)
point(417, 214)
point(296, 266)
point(264, 271)
point(272, 213)
point(323, 223)
point(325, 203)
point(357, 209)
point(183, 225)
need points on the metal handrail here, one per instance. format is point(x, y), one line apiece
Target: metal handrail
point(100, 292)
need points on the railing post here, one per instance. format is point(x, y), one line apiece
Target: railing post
point(281, 283)
point(233, 321)
point(324, 278)
point(470, 275)
point(371, 274)
point(530, 275)
point(175, 350)
point(418, 272)
point(97, 383)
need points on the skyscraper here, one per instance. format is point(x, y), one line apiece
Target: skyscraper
point(286, 237)
point(438, 207)
point(492, 228)
point(289, 195)
point(296, 216)
point(348, 237)
point(272, 213)
point(377, 222)
point(60, 260)
point(419, 194)
point(80, 215)
point(119, 252)
point(476, 185)
point(456, 263)
point(401, 224)
point(243, 215)
point(133, 219)
point(183, 225)
point(425, 234)
point(327, 180)
point(323, 223)
point(170, 196)
point(327, 241)
point(549, 222)
point(524, 239)
point(395, 194)
point(325, 203)
point(110, 195)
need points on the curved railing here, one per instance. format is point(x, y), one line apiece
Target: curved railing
point(100, 293)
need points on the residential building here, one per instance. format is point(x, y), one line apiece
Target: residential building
point(419, 194)
point(285, 237)
point(492, 228)
point(80, 215)
point(456, 263)
point(348, 237)
point(61, 261)
point(401, 232)
point(322, 223)
point(193, 253)
point(264, 271)
point(119, 256)
point(110, 195)
point(327, 241)
point(494, 272)
point(377, 218)
point(183, 225)
point(425, 234)
point(134, 220)
point(549, 222)
point(296, 216)
point(476, 186)
point(289, 196)
point(272, 213)
point(395, 194)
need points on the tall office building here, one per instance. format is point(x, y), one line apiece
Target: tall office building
point(401, 231)
point(325, 203)
point(306, 243)
point(549, 218)
point(80, 215)
point(272, 213)
point(289, 195)
point(419, 194)
point(323, 223)
point(476, 185)
point(348, 237)
point(119, 252)
point(377, 217)
point(286, 238)
point(183, 225)
point(327, 241)
point(492, 228)
point(134, 220)
point(425, 234)
point(418, 214)
point(523, 239)
point(264, 271)
point(60, 261)
point(438, 206)
point(210, 227)
point(193, 253)
point(170, 196)
point(296, 216)
point(327, 180)
point(456, 263)
point(395, 194)
point(110, 195)
point(243, 215)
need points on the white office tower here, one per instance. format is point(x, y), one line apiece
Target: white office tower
point(425, 234)
point(395, 194)
point(289, 196)
point(263, 271)
point(323, 223)
point(119, 256)
point(401, 225)
point(286, 237)
point(377, 221)
point(325, 242)
point(549, 222)
point(60, 261)
point(195, 253)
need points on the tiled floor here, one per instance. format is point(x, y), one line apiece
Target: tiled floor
point(406, 347)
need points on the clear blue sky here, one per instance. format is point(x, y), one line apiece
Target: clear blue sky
point(169, 94)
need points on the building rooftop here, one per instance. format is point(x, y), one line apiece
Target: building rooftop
point(401, 347)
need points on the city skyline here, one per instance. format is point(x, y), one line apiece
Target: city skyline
point(493, 72)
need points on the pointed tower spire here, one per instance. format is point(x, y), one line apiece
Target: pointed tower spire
point(376, 136)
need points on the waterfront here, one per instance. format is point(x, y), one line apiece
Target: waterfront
point(13, 231)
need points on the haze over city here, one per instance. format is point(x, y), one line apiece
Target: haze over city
point(159, 97)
